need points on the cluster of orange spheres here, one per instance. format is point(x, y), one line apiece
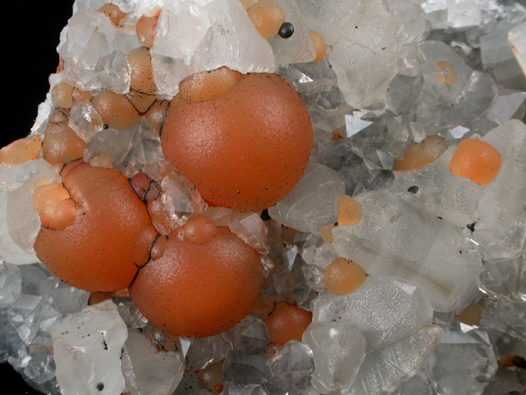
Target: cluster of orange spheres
point(244, 142)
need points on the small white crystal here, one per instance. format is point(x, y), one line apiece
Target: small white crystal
point(501, 228)
point(147, 370)
point(384, 369)
point(313, 202)
point(251, 229)
point(10, 284)
point(338, 349)
point(21, 220)
point(85, 120)
point(88, 348)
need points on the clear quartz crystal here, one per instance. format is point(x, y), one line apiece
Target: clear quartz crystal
point(364, 59)
point(10, 284)
point(458, 359)
point(89, 36)
point(130, 149)
point(186, 32)
point(181, 199)
point(384, 369)
point(85, 120)
point(249, 337)
point(251, 229)
point(114, 72)
point(338, 349)
point(293, 363)
point(400, 309)
point(242, 369)
point(501, 228)
point(148, 370)
point(88, 347)
point(313, 202)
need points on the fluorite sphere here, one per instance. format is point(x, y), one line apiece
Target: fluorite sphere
point(245, 149)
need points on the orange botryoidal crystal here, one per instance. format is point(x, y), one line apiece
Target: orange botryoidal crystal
point(199, 290)
point(247, 146)
point(96, 252)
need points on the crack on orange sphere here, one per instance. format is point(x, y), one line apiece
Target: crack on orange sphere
point(199, 290)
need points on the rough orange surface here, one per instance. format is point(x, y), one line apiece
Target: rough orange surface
point(96, 253)
point(287, 322)
point(198, 290)
point(476, 160)
point(245, 149)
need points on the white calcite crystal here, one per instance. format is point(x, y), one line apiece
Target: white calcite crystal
point(148, 370)
point(194, 36)
point(438, 192)
point(19, 222)
point(88, 348)
point(314, 200)
point(501, 228)
point(397, 239)
point(384, 369)
point(399, 307)
point(338, 350)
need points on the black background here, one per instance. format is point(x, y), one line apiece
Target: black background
point(30, 35)
point(30, 32)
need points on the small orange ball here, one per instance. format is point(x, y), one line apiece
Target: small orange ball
point(343, 277)
point(476, 160)
point(287, 322)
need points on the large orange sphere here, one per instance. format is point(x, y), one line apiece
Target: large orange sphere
point(244, 145)
point(96, 252)
point(198, 290)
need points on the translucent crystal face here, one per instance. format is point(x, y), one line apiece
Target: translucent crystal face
point(316, 228)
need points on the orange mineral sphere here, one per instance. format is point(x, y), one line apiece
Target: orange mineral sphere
point(244, 146)
point(96, 252)
point(199, 290)
point(287, 322)
point(476, 160)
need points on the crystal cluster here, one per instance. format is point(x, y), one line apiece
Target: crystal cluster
point(442, 309)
